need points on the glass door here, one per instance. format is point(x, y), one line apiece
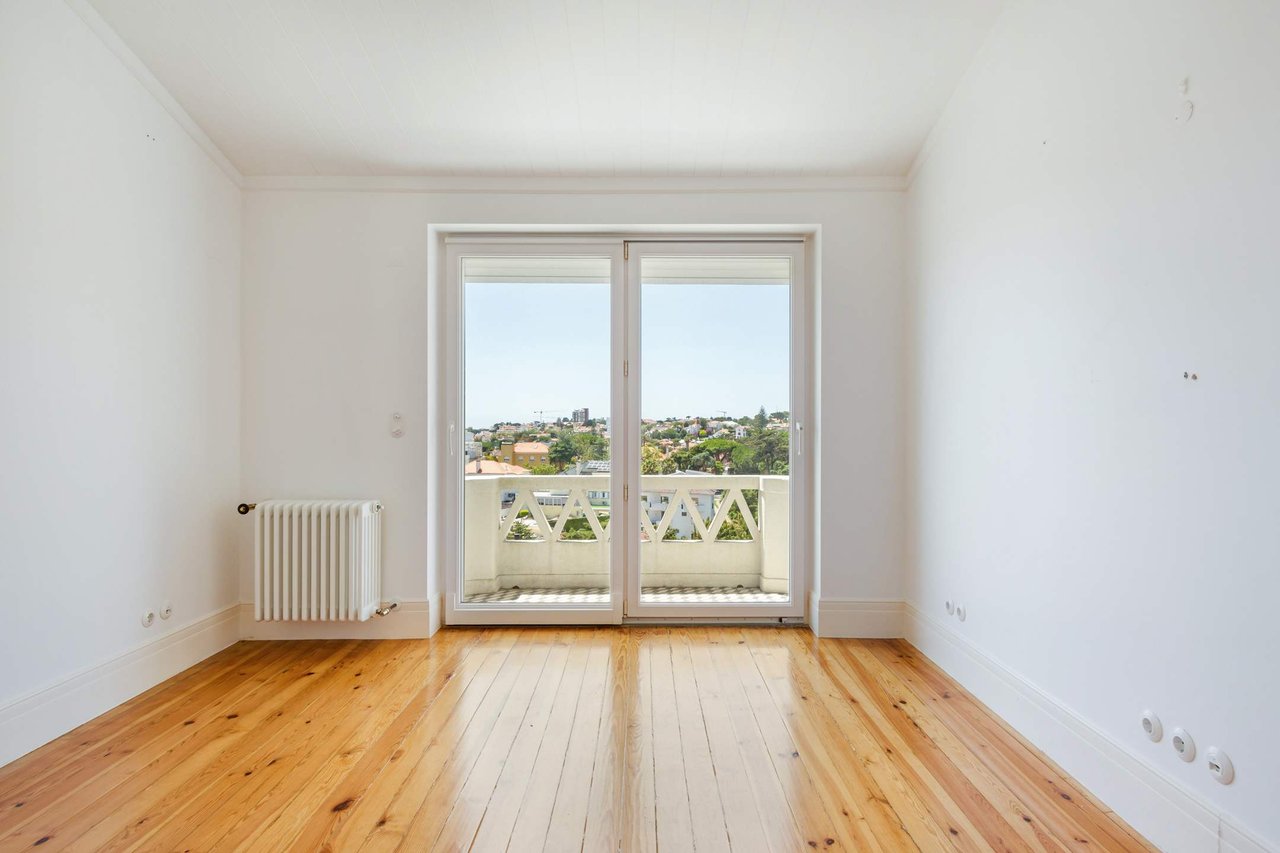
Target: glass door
point(532, 442)
point(718, 387)
point(625, 430)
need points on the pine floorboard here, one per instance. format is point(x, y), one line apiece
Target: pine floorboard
point(554, 739)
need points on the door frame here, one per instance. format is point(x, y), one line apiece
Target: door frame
point(445, 392)
point(454, 388)
point(798, 472)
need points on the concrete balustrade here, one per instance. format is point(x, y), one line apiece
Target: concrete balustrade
point(493, 561)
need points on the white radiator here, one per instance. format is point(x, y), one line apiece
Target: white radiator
point(317, 560)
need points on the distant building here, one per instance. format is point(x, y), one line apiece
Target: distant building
point(655, 505)
point(587, 466)
point(525, 453)
point(581, 416)
point(600, 467)
point(740, 431)
point(490, 466)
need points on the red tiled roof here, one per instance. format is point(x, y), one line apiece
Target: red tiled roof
point(490, 466)
point(531, 447)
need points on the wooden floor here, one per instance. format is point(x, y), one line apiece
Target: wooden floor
point(548, 739)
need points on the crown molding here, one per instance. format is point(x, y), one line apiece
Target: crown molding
point(108, 36)
point(569, 185)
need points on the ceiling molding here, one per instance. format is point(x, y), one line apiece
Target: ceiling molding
point(560, 185)
point(108, 36)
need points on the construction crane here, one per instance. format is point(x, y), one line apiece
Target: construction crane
point(540, 414)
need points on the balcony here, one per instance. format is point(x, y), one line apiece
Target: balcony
point(539, 537)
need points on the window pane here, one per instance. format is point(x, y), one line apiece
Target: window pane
point(537, 444)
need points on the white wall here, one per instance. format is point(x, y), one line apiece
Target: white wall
point(335, 340)
point(119, 378)
point(1111, 527)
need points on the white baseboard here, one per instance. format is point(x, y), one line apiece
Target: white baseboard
point(435, 618)
point(36, 719)
point(858, 618)
point(411, 620)
point(1168, 815)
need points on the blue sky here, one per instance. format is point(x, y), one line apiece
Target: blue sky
point(706, 348)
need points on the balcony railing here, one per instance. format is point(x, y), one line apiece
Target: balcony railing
point(552, 532)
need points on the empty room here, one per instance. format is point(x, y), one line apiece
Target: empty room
point(639, 425)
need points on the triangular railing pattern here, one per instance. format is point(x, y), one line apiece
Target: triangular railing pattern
point(577, 502)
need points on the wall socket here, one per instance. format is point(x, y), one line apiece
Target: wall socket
point(1183, 744)
point(1152, 726)
point(1220, 766)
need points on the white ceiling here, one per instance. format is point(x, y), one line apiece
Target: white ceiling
point(559, 87)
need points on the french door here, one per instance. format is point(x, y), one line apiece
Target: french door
point(626, 430)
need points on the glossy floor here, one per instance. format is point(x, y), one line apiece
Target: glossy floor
point(553, 739)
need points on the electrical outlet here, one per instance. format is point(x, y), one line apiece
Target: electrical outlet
point(1183, 744)
point(1152, 726)
point(1220, 766)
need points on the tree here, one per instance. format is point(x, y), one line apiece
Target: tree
point(743, 457)
point(773, 451)
point(521, 531)
point(588, 445)
point(762, 418)
point(652, 461)
point(562, 450)
point(734, 527)
point(541, 469)
point(721, 448)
